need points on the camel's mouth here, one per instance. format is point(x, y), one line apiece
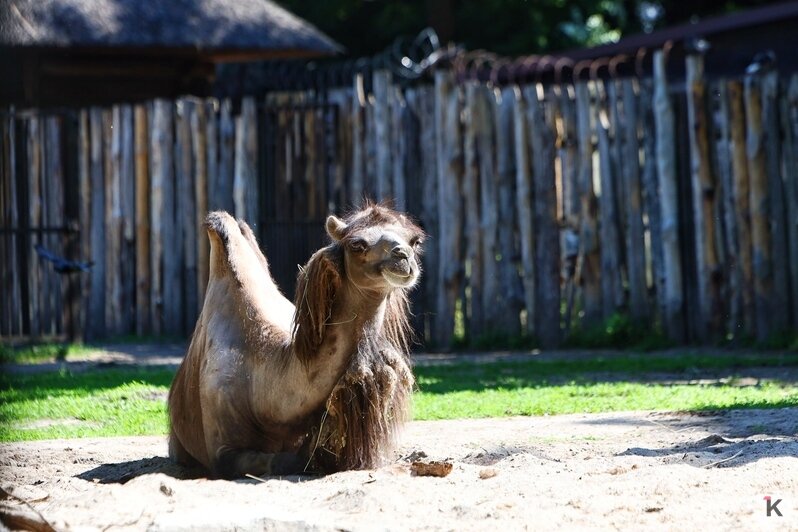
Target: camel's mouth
point(399, 279)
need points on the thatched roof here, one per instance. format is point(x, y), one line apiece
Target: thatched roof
point(210, 26)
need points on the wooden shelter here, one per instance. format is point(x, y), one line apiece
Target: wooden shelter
point(97, 52)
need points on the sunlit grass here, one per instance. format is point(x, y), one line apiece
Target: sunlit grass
point(132, 402)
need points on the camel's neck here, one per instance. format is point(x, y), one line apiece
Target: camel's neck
point(354, 314)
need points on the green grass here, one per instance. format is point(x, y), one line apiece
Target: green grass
point(30, 354)
point(131, 402)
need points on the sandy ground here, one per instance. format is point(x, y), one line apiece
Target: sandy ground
point(607, 471)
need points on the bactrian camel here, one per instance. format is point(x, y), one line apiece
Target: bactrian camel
point(268, 387)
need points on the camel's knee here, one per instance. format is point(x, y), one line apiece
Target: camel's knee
point(236, 463)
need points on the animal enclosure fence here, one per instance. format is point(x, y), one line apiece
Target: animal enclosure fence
point(549, 205)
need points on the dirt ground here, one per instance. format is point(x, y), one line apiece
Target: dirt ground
point(607, 471)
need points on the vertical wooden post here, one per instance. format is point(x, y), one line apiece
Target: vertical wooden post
point(358, 141)
point(212, 157)
point(493, 314)
point(245, 190)
point(399, 148)
point(590, 258)
point(761, 256)
point(53, 191)
point(780, 302)
point(185, 216)
point(703, 186)
point(526, 221)
point(161, 178)
point(199, 153)
point(510, 296)
point(669, 202)
point(142, 170)
point(635, 243)
point(127, 193)
point(471, 215)
point(113, 221)
point(547, 241)
point(95, 320)
point(742, 211)
point(382, 121)
point(449, 149)
point(789, 124)
point(650, 181)
point(223, 180)
point(611, 287)
point(34, 164)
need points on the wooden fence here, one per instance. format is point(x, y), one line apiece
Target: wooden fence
point(549, 206)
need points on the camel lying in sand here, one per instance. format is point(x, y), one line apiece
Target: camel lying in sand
point(268, 387)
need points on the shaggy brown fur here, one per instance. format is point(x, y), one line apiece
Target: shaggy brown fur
point(262, 393)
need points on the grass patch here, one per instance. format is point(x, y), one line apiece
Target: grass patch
point(47, 352)
point(132, 402)
point(618, 331)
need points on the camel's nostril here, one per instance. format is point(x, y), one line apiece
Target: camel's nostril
point(401, 252)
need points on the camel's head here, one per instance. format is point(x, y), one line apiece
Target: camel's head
point(381, 247)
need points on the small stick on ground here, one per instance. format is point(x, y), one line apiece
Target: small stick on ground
point(713, 464)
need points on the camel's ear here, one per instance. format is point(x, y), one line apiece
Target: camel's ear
point(317, 285)
point(335, 227)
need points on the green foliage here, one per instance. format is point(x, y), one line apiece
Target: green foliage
point(617, 332)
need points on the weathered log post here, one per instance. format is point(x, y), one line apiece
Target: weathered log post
point(612, 294)
point(703, 185)
point(142, 172)
point(223, 180)
point(160, 205)
point(569, 166)
point(128, 219)
point(589, 260)
point(448, 143)
point(245, 190)
point(358, 144)
point(761, 251)
point(471, 215)
point(635, 238)
point(382, 122)
point(199, 152)
point(651, 199)
point(780, 303)
point(547, 242)
point(84, 193)
point(526, 220)
point(96, 313)
point(399, 147)
point(510, 296)
point(742, 215)
point(789, 124)
point(669, 202)
point(113, 223)
point(185, 216)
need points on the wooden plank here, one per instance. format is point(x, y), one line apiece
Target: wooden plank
point(611, 287)
point(589, 262)
point(729, 259)
point(222, 197)
point(789, 124)
point(761, 254)
point(382, 129)
point(526, 220)
point(673, 319)
point(630, 167)
point(54, 217)
point(160, 175)
point(245, 192)
point(703, 185)
point(212, 157)
point(650, 187)
point(113, 220)
point(13, 202)
point(547, 240)
point(740, 187)
point(430, 215)
point(780, 303)
point(471, 214)
point(400, 148)
point(127, 183)
point(449, 148)
point(493, 314)
point(358, 141)
point(199, 152)
point(185, 216)
point(143, 264)
point(95, 321)
point(510, 297)
point(35, 220)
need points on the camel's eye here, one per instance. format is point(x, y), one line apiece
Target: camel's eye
point(358, 245)
point(416, 243)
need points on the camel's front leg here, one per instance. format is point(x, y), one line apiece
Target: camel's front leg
point(236, 463)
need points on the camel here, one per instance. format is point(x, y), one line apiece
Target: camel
point(268, 387)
